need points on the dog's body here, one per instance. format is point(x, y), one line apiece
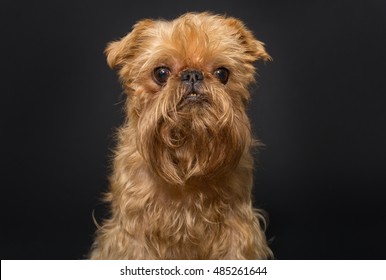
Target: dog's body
point(182, 172)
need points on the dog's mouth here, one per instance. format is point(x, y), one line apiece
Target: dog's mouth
point(192, 96)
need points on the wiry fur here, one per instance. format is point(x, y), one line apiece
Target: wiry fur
point(182, 172)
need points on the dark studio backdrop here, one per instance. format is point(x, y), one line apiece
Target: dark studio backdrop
point(319, 106)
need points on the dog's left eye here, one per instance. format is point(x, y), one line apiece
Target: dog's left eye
point(222, 74)
point(161, 75)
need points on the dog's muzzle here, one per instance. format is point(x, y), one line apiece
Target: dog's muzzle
point(192, 81)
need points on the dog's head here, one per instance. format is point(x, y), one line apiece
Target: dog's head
point(187, 82)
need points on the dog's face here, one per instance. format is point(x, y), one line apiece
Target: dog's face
point(187, 82)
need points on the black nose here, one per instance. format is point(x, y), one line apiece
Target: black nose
point(192, 76)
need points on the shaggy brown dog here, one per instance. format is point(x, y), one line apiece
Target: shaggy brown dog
point(182, 172)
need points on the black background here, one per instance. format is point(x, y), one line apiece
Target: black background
point(319, 107)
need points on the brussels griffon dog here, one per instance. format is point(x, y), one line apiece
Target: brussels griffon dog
point(181, 178)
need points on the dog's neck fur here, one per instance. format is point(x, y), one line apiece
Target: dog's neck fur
point(192, 210)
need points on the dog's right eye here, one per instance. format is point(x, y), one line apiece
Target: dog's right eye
point(161, 75)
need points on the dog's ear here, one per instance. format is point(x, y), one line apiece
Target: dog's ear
point(253, 48)
point(119, 52)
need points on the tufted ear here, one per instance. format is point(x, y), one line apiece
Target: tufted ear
point(253, 48)
point(118, 52)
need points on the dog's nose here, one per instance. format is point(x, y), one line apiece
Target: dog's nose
point(192, 76)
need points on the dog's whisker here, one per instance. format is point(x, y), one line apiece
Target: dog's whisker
point(94, 220)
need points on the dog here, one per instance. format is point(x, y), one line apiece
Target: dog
point(181, 177)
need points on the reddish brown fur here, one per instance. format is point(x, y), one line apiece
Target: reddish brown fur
point(182, 172)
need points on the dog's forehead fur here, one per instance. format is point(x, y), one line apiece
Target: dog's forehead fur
point(197, 40)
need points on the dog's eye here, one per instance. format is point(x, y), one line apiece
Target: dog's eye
point(161, 75)
point(222, 74)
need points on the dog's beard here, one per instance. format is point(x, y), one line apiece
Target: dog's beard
point(185, 135)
